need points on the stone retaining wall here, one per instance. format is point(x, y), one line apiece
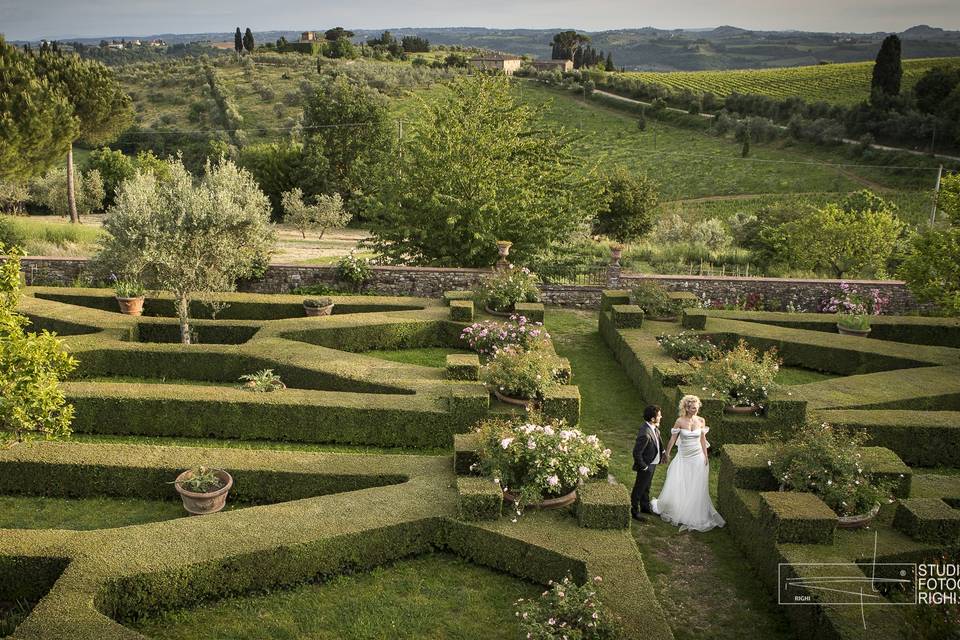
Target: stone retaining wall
point(430, 282)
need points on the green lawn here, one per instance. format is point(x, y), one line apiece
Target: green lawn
point(702, 580)
point(435, 596)
point(799, 375)
point(32, 512)
point(425, 357)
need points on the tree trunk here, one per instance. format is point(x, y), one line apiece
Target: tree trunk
point(71, 193)
point(183, 312)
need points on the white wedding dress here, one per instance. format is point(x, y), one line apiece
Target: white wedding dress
point(685, 497)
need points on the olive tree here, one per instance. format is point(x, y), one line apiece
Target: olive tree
point(189, 237)
point(51, 191)
point(326, 212)
point(32, 404)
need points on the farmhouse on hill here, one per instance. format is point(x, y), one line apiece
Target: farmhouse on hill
point(308, 36)
point(497, 62)
point(553, 65)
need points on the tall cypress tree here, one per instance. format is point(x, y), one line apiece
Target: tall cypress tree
point(609, 66)
point(248, 43)
point(238, 42)
point(888, 70)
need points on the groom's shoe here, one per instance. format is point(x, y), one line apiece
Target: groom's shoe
point(636, 516)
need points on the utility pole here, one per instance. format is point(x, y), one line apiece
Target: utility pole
point(936, 196)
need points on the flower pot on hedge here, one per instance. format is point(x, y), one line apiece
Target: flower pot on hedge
point(131, 306)
point(314, 309)
point(845, 331)
point(520, 402)
point(212, 501)
point(741, 410)
point(506, 313)
point(552, 502)
point(858, 521)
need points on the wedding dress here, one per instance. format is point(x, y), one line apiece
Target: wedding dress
point(685, 497)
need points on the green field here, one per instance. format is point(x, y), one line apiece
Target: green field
point(846, 84)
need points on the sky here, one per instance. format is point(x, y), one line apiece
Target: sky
point(34, 19)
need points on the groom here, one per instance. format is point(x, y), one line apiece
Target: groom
point(646, 455)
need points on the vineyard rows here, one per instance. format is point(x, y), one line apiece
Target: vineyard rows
point(844, 84)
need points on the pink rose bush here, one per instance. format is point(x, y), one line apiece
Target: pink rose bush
point(566, 610)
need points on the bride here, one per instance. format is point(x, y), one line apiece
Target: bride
point(685, 497)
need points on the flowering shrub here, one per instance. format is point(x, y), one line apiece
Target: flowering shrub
point(537, 459)
point(487, 338)
point(654, 301)
point(566, 610)
point(688, 346)
point(854, 307)
point(527, 375)
point(507, 287)
point(353, 270)
point(826, 461)
point(742, 377)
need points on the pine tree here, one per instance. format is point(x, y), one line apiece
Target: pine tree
point(609, 64)
point(888, 70)
point(248, 42)
point(238, 42)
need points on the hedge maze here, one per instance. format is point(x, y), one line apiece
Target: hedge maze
point(298, 516)
point(901, 386)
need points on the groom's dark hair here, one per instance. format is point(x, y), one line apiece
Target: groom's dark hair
point(650, 413)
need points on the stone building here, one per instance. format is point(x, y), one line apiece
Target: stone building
point(504, 63)
point(553, 65)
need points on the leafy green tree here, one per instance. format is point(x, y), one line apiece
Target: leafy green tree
point(934, 87)
point(341, 48)
point(114, 167)
point(632, 202)
point(191, 239)
point(349, 124)
point(325, 213)
point(843, 240)
point(248, 42)
point(482, 166)
point(99, 103)
point(32, 365)
point(888, 69)
point(932, 268)
point(37, 124)
point(51, 191)
point(279, 167)
point(338, 33)
point(568, 44)
point(948, 200)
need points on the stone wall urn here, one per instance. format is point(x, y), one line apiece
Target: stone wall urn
point(616, 250)
point(503, 249)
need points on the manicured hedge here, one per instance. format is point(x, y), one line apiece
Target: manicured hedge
point(532, 311)
point(463, 366)
point(789, 516)
point(478, 498)
point(610, 297)
point(449, 296)
point(928, 520)
point(465, 446)
point(920, 438)
point(461, 310)
point(562, 403)
point(357, 338)
point(603, 505)
point(627, 316)
point(202, 333)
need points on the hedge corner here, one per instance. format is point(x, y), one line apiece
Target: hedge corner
point(450, 296)
point(603, 505)
point(610, 297)
point(563, 403)
point(793, 516)
point(627, 316)
point(465, 446)
point(463, 366)
point(478, 498)
point(532, 311)
point(928, 520)
point(461, 310)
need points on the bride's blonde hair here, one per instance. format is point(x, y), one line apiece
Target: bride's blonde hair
point(688, 404)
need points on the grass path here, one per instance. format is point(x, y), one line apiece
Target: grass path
point(703, 582)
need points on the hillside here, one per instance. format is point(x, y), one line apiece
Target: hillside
point(843, 84)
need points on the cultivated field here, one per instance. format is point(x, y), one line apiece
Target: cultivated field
point(844, 84)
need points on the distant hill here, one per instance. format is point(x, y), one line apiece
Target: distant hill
point(651, 49)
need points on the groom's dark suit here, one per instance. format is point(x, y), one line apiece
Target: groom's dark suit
point(647, 451)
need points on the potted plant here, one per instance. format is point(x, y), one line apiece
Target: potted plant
point(203, 489)
point(567, 610)
point(507, 287)
point(687, 346)
point(263, 381)
point(520, 377)
point(538, 463)
point(853, 324)
point(826, 461)
point(129, 296)
point(656, 303)
point(318, 306)
point(854, 308)
point(489, 337)
point(742, 377)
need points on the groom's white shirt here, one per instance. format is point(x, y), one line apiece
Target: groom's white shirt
point(653, 433)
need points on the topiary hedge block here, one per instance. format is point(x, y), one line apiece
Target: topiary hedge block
point(793, 516)
point(461, 310)
point(684, 299)
point(928, 520)
point(450, 296)
point(610, 297)
point(463, 366)
point(563, 403)
point(532, 311)
point(602, 505)
point(465, 447)
point(478, 498)
point(627, 316)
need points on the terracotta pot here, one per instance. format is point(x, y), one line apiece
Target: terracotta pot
point(131, 306)
point(548, 503)
point(502, 314)
point(198, 504)
point(318, 311)
point(520, 402)
point(741, 411)
point(858, 521)
point(852, 332)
